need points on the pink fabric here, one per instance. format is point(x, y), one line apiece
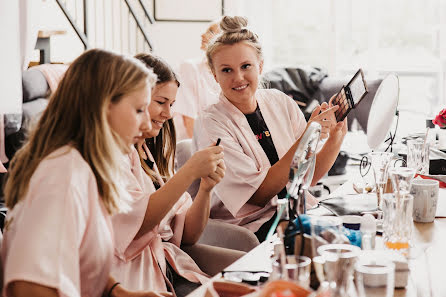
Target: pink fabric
point(53, 74)
point(60, 235)
point(246, 163)
point(140, 264)
point(198, 90)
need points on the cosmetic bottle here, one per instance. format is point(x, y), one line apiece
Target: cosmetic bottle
point(368, 232)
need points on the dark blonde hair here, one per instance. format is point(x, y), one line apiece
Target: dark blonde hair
point(234, 30)
point(162, 146)
point(77, 115)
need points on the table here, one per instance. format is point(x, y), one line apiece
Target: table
point(428, 259)
point(427, 265)
point(258, 259)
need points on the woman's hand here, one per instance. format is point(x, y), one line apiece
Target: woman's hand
point(209, 182)
point(204, 163)
point(339, 129)
point(324, 115)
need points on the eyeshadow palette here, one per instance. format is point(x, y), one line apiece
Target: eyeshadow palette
point(350, 95)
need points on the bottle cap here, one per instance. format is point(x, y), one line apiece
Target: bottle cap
point(368, 223)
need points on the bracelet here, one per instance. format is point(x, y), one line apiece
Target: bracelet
point(111, 289)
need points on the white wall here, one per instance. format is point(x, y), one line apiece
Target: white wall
point(174, 41)
point(177, 41)
point(64, 48)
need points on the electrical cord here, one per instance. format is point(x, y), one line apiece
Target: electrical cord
point(391, 138)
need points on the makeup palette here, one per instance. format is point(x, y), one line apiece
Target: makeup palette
point(350, 95)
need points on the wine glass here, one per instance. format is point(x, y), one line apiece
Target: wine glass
point(380, 163)
point(401, 178)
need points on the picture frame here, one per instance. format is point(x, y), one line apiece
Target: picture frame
point(187, 10)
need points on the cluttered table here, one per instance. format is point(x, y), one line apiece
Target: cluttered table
point(427, 260)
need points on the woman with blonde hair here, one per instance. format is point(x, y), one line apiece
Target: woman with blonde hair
point(65, 182)
point(164, 216)
point(259, 130)
point(198, 87)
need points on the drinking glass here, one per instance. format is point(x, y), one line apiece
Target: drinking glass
point(325, 230)
point(374, 276)
point(418, 155)
point(397, 222)
point(401, 178)
point(340, 261)
point(302, 269)
point(380, 163)
point(297, 268)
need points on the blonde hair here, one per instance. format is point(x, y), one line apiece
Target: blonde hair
point(77, 116)
point(162, 146)
point(212, 30)
point(234, 29)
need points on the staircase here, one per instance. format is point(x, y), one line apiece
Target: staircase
point(118, 25)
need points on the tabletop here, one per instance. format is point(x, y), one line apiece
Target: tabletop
point(426, 262)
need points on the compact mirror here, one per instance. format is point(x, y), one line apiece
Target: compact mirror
point(304, 157)
point(383, 111)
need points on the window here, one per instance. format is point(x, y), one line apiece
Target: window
point(402, 36)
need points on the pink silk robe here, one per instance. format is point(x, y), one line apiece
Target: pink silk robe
point(140, 264)
point(246, 162)
point(60, 234)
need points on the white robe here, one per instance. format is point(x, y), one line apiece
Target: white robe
point(197, 91)
point(246, 162)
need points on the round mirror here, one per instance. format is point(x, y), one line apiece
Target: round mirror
point(304, 157)
point(382, 111)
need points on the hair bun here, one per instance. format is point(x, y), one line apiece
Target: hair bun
point(233, 24)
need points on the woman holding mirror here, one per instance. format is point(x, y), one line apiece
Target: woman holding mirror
point(259, 130)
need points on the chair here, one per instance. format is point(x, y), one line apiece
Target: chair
point(212, 259)
point(228, 236)
point(183, 152)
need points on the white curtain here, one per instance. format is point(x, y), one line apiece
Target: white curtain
point(18, 33)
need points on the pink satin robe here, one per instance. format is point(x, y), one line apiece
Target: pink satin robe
point(60, 234)
point(140, 264)
point(246, 163)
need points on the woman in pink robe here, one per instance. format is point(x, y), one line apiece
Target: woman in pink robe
point(66, 181)
point(163, 216)
point(259, 129)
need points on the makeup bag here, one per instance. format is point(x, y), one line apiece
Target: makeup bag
point(350, 205)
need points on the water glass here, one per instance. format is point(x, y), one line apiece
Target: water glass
point(325, 230)
point(297, 270)
point(418, 155)
point(374, 276)
point(401, 178)
point(380, 163)
point(397, 222)
point(340, 261)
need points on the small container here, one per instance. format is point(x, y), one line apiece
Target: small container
point(351, 222)
point(368, 232)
